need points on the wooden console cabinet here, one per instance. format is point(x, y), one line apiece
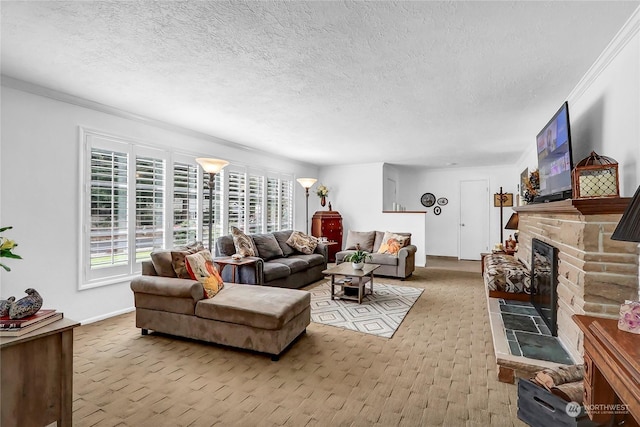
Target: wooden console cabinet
point(612, 369)
point(328, 224)
point(37, 376)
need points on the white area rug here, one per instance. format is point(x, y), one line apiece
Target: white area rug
point(379, 314)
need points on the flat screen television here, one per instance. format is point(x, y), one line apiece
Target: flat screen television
point(554, 158)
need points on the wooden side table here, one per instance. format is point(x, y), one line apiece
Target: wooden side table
point(37, 376)
point(227, 260)
point(612, 370)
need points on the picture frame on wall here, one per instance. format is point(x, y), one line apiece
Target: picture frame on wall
point(524, 175)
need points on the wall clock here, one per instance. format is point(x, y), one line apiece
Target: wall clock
point(442, 201)
point(437, 210)
point(428, 200)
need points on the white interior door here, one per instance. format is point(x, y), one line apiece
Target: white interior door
point(474, 219)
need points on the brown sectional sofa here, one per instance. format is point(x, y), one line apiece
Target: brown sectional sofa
point(259, 318)
point(401, 266)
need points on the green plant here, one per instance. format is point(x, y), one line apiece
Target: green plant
point(358, 256)
point(6, 246)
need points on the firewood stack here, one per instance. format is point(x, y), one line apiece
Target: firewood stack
point(564, 381)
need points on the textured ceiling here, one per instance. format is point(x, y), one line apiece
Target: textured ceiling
point(409, 83)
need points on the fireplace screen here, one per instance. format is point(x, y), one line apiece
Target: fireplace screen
point(544, 281)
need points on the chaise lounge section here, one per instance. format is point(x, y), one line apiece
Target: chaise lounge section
point(257, 318)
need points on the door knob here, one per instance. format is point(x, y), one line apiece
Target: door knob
point(462, 225)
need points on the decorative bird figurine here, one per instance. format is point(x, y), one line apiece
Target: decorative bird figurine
point(26, 306)
point(5, 304)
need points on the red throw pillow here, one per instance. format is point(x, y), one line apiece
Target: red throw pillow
point(200, 267)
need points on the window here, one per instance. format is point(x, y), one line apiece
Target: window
point(108, 236)
point(236, 200)
point(149, 206)
point(185, 203)
point(279, 204)
point(137, 199)
point(255, 198)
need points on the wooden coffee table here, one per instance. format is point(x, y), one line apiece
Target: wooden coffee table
point(359, 278)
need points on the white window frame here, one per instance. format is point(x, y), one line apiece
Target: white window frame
point(92, 139)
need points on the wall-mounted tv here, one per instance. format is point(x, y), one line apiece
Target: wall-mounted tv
point(554, 158)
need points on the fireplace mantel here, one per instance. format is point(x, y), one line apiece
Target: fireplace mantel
point(599, 206)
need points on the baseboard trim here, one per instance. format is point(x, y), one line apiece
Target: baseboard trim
point(108, 315)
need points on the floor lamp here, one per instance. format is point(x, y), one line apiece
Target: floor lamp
point(307, 183)
point(212, 167)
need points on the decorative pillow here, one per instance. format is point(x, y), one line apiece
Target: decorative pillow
point(200, 267)
point(243, 243)
point(178, 257)
point(282, 236)
point(392, 243)
point(364, 238)
point(267, 246)
point(161, 261)
point(302, 242)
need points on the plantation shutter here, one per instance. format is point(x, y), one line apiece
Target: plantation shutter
point(236, 199)
point(273, 204)
point(286, 204)
point(256, 195)
point(108, 235)
point(185, 203)
point(149, 206)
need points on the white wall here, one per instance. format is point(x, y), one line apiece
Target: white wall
point(356, 192)
point(604, 109)
point(442, 230)
point(39, 195)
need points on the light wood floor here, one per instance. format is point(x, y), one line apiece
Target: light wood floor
point(438, 369)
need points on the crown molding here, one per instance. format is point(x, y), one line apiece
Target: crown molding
point(628, 31)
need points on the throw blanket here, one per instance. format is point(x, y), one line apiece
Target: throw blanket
point(505, 273)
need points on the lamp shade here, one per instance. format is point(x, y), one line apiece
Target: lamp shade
point(512, 224)
point(211, 165)
point(628, 228)
point(306, 182)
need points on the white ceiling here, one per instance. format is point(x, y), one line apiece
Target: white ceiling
point(408, 83)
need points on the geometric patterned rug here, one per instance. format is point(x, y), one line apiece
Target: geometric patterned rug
point(379, 314)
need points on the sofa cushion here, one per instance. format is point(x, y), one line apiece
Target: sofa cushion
point(273, 270)
point(363, 238)
point(294, 263)
point(392, 243)
point(178, 256)
point(260, 307)
point(243, 243)
point(383, 259)
point(282, 237)
point(312, 260)
point(302, 242)
point(161, 261)
point(200, 267)
point(267, 246)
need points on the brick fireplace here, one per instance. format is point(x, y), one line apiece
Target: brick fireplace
point(595, 274)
